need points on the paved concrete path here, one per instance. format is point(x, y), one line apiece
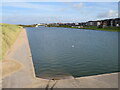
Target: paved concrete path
point(25, 78)
point(98, 81)
point(20, 52)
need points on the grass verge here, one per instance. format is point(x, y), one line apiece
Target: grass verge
point(9, 33)
point(113, 29)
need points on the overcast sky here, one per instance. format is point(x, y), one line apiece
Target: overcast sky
point(48, 12)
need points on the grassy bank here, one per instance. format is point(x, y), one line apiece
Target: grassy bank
point(28, 25)
point(113, 29)
point(8, 34)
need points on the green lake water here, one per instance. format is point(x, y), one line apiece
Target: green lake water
point(61, 52)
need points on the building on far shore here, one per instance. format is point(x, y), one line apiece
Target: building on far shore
point(90, 23)
point(104, 23)
point(99, 23)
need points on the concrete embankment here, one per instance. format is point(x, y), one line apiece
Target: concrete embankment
point(20, 52)
point(25, 77)
point(97, 81)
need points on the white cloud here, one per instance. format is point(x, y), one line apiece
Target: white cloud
point(60, 0)
point(21, 5)
point(29, 5)
point(108, 14)
point(76, 6)
point(79, 5)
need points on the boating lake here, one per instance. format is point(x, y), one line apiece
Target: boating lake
point(62, 52)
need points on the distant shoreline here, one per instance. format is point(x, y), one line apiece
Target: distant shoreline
point(112, 29)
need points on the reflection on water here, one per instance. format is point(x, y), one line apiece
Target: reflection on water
point(61, 52)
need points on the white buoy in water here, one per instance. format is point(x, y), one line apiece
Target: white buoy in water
point(73, 46)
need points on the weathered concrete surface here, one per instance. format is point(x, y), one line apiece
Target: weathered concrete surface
point(25, 78)
point(9, 67)
point(20, 52)
point(98, 81)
